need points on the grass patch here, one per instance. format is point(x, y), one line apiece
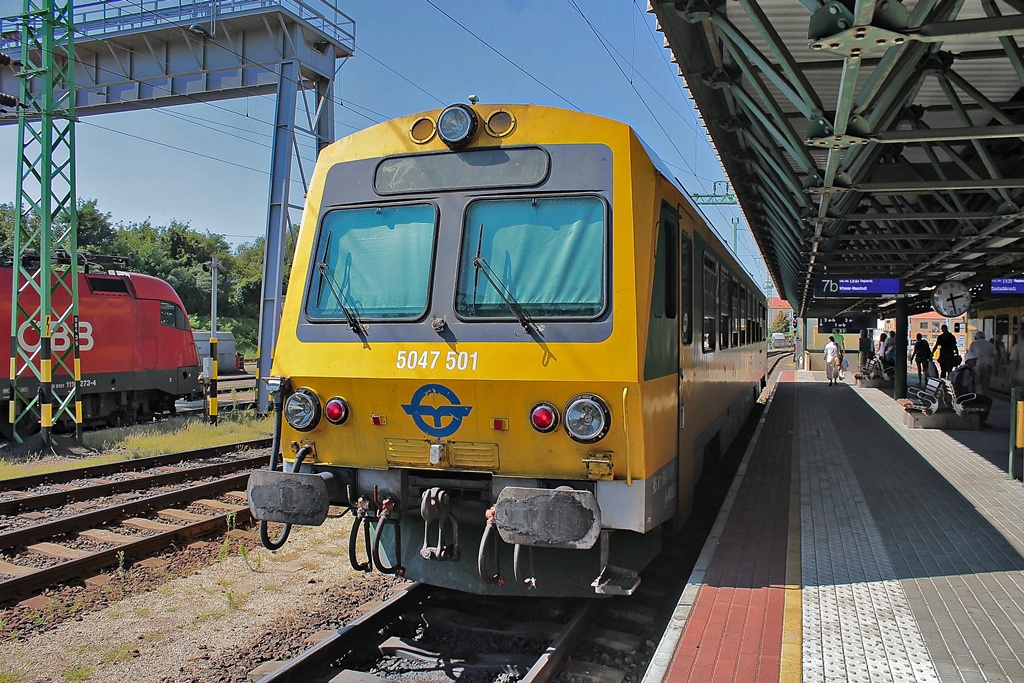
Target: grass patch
point(206, 616)
point(79, 673)
point(181, 435)
point(122, 653)
point(10, 677)
point(236, 599)
point(140, 441)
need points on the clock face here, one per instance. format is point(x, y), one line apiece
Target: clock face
point(951, 298)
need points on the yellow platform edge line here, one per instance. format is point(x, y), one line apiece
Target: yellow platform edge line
point(791, 665)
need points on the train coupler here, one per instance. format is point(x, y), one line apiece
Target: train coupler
point(613, 580)
point(435, 506)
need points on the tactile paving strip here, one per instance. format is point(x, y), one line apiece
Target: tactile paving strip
point(857, 620)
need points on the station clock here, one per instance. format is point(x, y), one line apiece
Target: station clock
point(951, 298)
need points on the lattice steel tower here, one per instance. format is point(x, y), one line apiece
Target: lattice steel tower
point(44, 292)
point(137, 54)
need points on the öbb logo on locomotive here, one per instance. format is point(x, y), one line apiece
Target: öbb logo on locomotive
point(518, 306)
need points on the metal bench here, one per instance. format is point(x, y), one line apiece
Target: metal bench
point(927, 400)
point(875, 369)
point(960, 402)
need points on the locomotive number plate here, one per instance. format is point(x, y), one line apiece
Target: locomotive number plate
point(432, 360)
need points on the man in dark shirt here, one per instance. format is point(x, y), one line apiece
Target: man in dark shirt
point(946, 345)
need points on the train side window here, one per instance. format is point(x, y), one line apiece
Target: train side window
point(744, 302)
point(686, 266)
point(734, 311)
point(662, 357)
point(724, 301)
point(666, 277)
point(171, 315)
point(710, 303)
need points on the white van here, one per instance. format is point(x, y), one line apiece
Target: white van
point(779, 341)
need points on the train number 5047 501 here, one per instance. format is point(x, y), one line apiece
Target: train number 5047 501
point(429, 360)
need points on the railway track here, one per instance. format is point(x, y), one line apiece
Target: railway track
point(39, 550)
point(605, 641)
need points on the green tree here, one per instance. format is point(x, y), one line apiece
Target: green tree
point(95, 229)
point(781, 323)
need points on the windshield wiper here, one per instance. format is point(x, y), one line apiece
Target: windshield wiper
point(351, 317)
point(482, 266)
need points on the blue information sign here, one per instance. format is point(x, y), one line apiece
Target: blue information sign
point(1007, 285)
point(854, 324)
point(857, 286)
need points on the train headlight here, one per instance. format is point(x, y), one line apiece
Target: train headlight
point(457, 125)
point(544, 417)
point(587, 418)
point(336, 411)
point(302, 410)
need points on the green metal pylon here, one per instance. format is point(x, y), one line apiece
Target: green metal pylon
point(44, 293)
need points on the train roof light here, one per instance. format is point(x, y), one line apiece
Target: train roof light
point(457, 125)
point(302, 410)
point(544, 417)
point(587, 418)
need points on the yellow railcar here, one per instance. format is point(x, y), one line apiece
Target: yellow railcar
point(1002, 321)
point(510, 346)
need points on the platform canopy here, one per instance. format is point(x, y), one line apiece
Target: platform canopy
point(865, 139)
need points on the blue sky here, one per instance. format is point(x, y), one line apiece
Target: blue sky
point(208, 164)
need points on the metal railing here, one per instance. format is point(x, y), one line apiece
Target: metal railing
point(98, 19)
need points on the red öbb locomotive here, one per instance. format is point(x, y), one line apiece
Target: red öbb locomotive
point(135, 343)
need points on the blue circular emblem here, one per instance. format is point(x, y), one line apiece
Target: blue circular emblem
point(429, 418)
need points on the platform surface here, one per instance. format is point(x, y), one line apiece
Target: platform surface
point(852, 548)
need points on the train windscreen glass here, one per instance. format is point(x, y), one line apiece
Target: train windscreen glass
point(375, 262)
point(548, 254)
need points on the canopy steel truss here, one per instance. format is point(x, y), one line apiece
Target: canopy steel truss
point(864, 138)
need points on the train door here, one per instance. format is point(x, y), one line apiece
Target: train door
point(686, 355)
point(661, 365)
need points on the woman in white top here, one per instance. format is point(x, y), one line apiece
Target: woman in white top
point(831, 361)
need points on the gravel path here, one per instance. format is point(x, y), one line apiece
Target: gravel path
point(201, 622)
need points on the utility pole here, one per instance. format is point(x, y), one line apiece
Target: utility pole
point(214, 268)
point(44, 311)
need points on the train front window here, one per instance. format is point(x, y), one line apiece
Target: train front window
point(374, 262)
point(548, 254)
point(171, 315)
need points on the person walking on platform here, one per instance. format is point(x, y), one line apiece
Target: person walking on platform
point(986, 353)
point(922, 357)
point(880, 349)
point(1017, 364)
point(948, 354)
point(831, 361)
point(840, 344)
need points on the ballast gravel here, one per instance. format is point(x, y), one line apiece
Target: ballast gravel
point(212, 625)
